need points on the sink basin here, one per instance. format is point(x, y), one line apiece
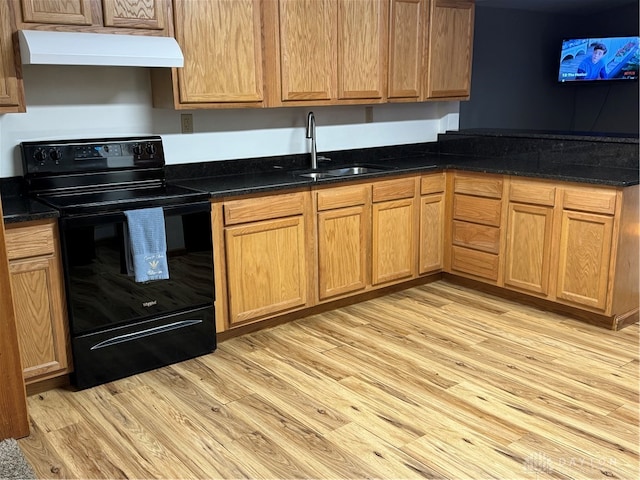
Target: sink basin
point(340, 172)
point(345, 171)
point(314, 175)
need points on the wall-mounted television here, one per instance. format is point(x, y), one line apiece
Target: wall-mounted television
point(599, 59)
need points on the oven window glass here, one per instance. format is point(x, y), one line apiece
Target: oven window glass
point(101, 293)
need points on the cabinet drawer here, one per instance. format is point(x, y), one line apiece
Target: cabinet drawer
point(263, 208)
point(480, 185)
point(433, 183)
point(524, 191)
point(338, 197)
point(30, 240)
point(393, 189)
point(479, 237)
point(477, 209)
point(590, 200)
point(473, 262)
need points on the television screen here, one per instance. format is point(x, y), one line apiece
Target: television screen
point(596, 59)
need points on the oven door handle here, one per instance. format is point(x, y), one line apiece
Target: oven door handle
point(128, 337)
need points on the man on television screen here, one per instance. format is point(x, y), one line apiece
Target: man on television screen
point(593, 68)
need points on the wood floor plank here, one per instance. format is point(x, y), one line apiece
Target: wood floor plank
point(322, 458)
point(386, 460)
point(437, 381)
point(317, 413)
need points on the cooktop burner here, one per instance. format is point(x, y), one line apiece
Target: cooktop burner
point(121, 199)
point(97, 175)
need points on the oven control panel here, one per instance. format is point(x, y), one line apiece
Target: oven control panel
point(83, 156)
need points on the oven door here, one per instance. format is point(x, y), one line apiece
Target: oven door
point(120, 327)
point(100, 293)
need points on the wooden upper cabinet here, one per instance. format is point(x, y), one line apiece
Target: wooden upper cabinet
point(11, 87)
point(221, 41)
point(150, 17)
point(362, 51)
point(149, 14)
point(307, 49)
point(450, 44)
point(407, 24)
point(324, 52)
point(62, 12)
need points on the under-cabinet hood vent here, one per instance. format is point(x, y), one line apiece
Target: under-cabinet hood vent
point(72, 48)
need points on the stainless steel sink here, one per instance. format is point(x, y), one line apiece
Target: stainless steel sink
point(314, 175)
point(341, 172)
point(344, 171)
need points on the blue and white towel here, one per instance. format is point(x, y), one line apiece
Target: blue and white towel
point(145, 242)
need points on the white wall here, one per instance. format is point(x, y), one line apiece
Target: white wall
point(90, 102)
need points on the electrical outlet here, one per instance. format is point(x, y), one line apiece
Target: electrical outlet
point(186, 120)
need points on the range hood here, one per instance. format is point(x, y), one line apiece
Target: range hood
point(71, 48)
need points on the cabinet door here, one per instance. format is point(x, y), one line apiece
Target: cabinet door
point(62, 12)
point(42, 331)
point(149, 14)
point(222, 46)
point(307, 49)
point(393, 243)
point(450, 47)
point(406, 33)
point(342, 251)
point(528, 247)
point(362, 38)
point(11, 97)
point(431, 233)
point(266, 268)
point(585, 249)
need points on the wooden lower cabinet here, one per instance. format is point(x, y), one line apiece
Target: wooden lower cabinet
point(393, 242)
point(266, 268)
point(262, 257)
point(476, 226)
point(528, 249)
point(394, 227)
point(343, 216)
point(38, 295)
point(565, 243)
point(529, 222)
point(585, 250)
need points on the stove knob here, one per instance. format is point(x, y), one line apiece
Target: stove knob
point(137, 149)
point(151, 149)
point(40, 156)
point(55, 155)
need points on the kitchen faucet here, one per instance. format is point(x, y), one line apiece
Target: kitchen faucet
point(311, 133)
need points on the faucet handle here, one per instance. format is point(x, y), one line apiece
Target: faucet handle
point(322, 158)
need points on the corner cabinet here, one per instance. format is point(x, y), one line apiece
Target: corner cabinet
point(96, 15)
point(221, 41)
point(39, 301)
point(449, 50)
point(432, 221)
point(11, 86)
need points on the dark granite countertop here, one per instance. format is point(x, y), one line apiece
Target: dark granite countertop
point(610, 160)
point(16, 207)
point(526, 165)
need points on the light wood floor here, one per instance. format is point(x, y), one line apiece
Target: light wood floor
point(434, 382)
